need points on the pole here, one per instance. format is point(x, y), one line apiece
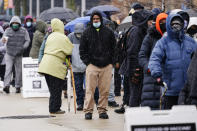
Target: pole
point(163, 5)
point(30, 7)
point(52, 3)
point(64, 4)
point(37, 8)
point(83, 6)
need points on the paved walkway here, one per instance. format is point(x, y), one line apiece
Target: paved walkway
point(14, 105)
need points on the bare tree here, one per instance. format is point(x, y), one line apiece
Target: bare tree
point(17, 4)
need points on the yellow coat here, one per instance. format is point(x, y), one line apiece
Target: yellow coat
point(57, 47)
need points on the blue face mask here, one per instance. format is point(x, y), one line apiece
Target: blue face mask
point(28, 24)
point(97, 25)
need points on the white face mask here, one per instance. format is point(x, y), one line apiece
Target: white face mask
point(97, 25)
point(28, 24)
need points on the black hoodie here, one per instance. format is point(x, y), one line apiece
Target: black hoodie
point(97, 47)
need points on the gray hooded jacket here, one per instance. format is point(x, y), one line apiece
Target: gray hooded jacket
point(2, 47)
point(17, 40)
point(77, 64)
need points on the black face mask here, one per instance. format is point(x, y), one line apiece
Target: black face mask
point(163, 27)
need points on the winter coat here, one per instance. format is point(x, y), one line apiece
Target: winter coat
point(2, 48)
point(38, 39)
point(97, 47)
point(188, 94)
point(18, 40)
point(134, 42)
point(171, 57)
point(150, 91)
point(57, 47)
point(31, 31)
point(77, 64)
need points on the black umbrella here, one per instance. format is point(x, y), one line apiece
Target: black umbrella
point(64, 14)
point(104, 8)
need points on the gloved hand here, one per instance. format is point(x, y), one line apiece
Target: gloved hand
point(148, 71)
point(159, 81)
point(137, 76)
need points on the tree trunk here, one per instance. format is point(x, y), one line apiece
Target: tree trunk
point(17, 4)
point(24, 6)
point(71, 4)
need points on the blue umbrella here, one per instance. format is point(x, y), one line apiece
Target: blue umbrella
point(104, 8)
point(70, 26)
point(85, 20)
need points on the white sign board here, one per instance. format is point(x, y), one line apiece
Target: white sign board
point(34, 84)
point(180, 118)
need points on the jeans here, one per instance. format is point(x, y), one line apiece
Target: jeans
point(126, 88)
point(79, 78)
point(117, 81)
point(111, 91)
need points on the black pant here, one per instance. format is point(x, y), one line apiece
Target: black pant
point(117, 81)
point(169, 101)
point(2, 72)
point(55, 86)
point(135, 94)
point(126, 90)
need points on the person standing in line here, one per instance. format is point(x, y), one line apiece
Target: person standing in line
point(170, 59)
point(78, 67)
point(97, 52)
point(52, 66)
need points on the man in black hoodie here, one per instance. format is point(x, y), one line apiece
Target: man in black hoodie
point(97, 52)
point(130, 66)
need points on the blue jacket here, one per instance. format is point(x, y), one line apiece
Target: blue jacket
point(170, 58)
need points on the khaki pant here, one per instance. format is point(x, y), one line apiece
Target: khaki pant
point(101, 78)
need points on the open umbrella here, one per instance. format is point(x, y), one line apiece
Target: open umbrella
point(125, 24)
point(85, 20)
point(104, 8)
point(64, 14)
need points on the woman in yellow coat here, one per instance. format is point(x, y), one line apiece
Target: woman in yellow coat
point(57, 47)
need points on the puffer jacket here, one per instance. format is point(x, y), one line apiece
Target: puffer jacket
point(38, 39)
point(171, 57)
point(77, 64)
point(2, 48)
point(57, 47)
point(150, 91)
point(97, 47)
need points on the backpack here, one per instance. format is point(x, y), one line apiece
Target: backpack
point(121, 44)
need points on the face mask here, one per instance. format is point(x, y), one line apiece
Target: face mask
point(15, 27)
point(78, 35)
point(97, 25)
point(28, 24)
point(163, 27)
point(176, 27)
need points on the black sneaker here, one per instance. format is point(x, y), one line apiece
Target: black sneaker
point(80, 108)
point(58, 112)
point(103, 116)
point(88, 116)
point(121, 110)
point(112, 104)
point(18, 90)
point(6, 89)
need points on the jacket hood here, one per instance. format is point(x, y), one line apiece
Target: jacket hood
point(160, 17)
point(96, 12)
point(171, 33)
point(41, 26)
point(57, 25)
point(141, 17)
point(28, 17)
point(79, 28)
point(15, 19)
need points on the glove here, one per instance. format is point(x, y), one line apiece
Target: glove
point(159, 81)
point(137, 76)
point(148, 71)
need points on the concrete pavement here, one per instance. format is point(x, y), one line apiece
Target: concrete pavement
point(14, 105)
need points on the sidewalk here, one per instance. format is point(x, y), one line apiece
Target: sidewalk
point(14, 105)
